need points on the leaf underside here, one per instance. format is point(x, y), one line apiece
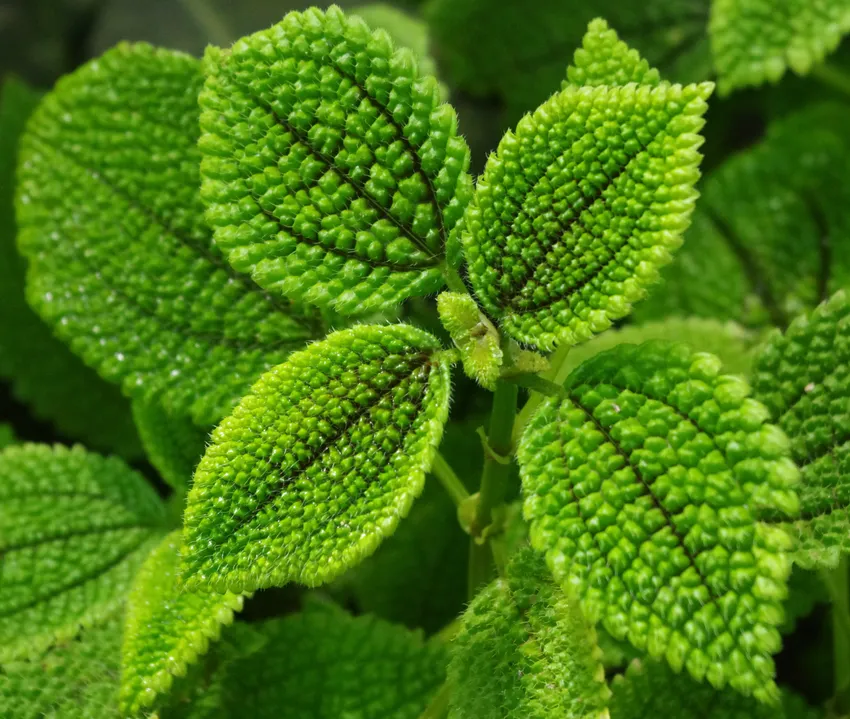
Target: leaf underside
point(79, 523)
point(640, 489)
point(319, 462)
point(331, 172)
point(122, 265)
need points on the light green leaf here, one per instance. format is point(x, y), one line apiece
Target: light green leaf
point(325, 664)
point(173, 444)
point(651, 689)
point(756, 41)
point(581, 205)
point(803, 377)
point(166, 629)
point(74, 679)
point(319, 462)
point(526, 652)
point(474, 335)
point(642, 488)
point(43, 373)
point(122, 265)
point(331, 172)
point(74, 528)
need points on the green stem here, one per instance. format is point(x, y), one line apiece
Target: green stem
point(442, 470)
point(208, 19)
point(837, 584)
point(556, 374)
point(494, 481)
point(453, 278)
point(830, 75)
point(438, 707)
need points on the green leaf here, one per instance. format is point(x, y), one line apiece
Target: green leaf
point(75, 679)
point(172, 443)
point(754, 42)
point(74, 528)
point(44, 374)
point(166, 629)
point(122, 265)
point(802, 378)
point(577, 210)
point(525, 651)
point(325, 664)
point(7, 435)
point(805, 591)
point(345, 185)
point(474, 335)
point(651, 689)
point(319, 462)
point(642, 488)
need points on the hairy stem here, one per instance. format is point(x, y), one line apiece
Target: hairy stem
point(439, 705)
point(832, 76)
point(208, 19)
point(453, 278)
point(839, 592)
point(443, 471)
point(556, 374)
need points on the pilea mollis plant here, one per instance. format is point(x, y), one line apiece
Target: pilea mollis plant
point(280, 257)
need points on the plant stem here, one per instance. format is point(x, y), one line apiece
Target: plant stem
point(494, 480)
point(453, 278)
point(208, 19)
point(839, 592)
point(439, 705)
point(556, 374)
point(830, 75)
point(442, 470)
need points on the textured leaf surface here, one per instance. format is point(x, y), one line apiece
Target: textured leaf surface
point(319, 462)
point(474, 335)
point(121, 263)
point(74, 528)
point(325, 664)
point(44, 374)
point(331, 171)
point(581, 205)
point(756, 41)
point(641, 488)
point(526, 651)
point(803, 377)
point(173, 444)
point(166, 629)
point(651, 689)
point(75, 679)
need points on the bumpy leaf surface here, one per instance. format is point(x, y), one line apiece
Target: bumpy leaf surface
point(173, 444)
point(325, 664)
point(803, 377)
point(330, 169)
point(121, 262)
point(319, 462)
point(642, 489)
point(74, 528)
point(651, 689)
point(756, 41)
point(166, 628)
point(526, 652)
point(75, 679)
point(43, 373)
point(581, 205)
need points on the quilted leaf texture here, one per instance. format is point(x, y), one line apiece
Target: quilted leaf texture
point(121, 264)
point(754, 41)
point(525, 651)
point(641, 488)
point(803, 377)
point(331, 172)
point(324, 664)
point(43, 373)
point(166, 628)
point(173, 444)
point(75, 679)
point(651, 689)
point(74, 528)
point(319, 462)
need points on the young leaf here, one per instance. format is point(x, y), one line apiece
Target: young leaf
point(474, 335)
point(172, 443)
point(331, 171)
point(166, 629)
point(641, 487)
point(44, 374)
point(80, 524)
point(754, 41)
point(651, 689)
point(122, 265)
point(581, 205)
point(319, 462)
point(74, 679)
point(802, 378)
point(526, 652)
point(325, 664)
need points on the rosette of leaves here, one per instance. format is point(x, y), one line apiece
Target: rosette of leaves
point(642, 486)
